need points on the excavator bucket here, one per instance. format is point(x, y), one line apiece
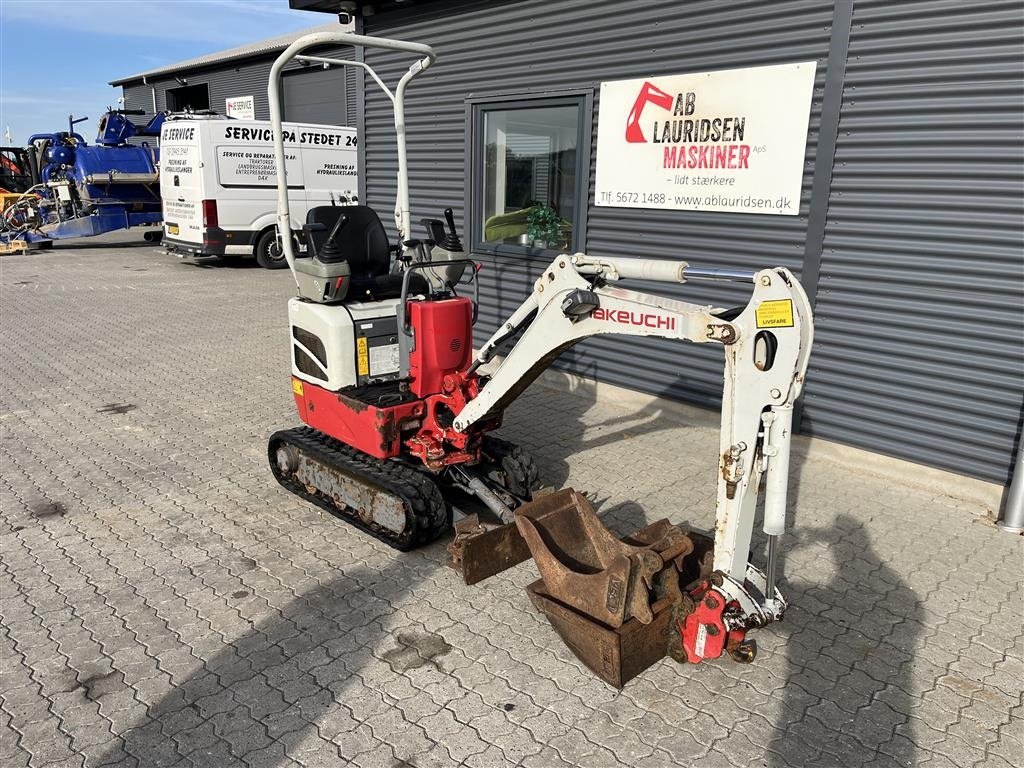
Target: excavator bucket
point(584, 566)
point(611, 601)
point(616, 655)
point(479, 550)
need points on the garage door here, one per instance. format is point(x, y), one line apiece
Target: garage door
point(315, 96)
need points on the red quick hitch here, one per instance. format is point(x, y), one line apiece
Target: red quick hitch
point(701, 631)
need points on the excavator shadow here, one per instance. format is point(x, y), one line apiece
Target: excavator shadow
point(282, 675)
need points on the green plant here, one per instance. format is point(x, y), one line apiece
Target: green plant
point(544, 225)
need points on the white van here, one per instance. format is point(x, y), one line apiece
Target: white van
point(218, 183)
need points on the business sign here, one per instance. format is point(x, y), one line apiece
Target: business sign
point(241, 107)
point(316, 156)
point(732, 140)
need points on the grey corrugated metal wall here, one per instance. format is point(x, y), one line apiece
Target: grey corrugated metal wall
point(487, 47)
point(919, 304)
point(920, 313)
point(236, 78)
point(304, 96)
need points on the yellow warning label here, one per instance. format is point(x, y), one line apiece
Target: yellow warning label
point(775, 314)
point(362, 356)
point(297, 387)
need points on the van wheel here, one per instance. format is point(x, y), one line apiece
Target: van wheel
point(269, 253)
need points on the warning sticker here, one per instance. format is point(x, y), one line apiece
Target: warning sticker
point(362, 356)
point(775, 314)
point(297, 387)
point(701, 642)
point(383, 359)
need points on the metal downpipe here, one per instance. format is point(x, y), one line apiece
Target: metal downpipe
point(1012, 520)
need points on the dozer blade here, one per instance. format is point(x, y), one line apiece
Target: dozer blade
point(479, 551)
point(583, 566)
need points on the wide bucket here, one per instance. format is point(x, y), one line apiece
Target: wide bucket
point(614, 654)
point(613, 602)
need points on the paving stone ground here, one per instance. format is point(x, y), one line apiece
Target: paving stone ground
point(165, 603)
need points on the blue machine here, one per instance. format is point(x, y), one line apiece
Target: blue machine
point(81, 190)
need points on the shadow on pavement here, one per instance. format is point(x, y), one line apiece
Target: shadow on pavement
point(225, 262)
point(265, 690)
point(849, 641)
point(88, 244)
point(850, 651)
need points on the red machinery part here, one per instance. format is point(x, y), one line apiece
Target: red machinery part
point(372, 430)
point(703, 631)
point(443, 342)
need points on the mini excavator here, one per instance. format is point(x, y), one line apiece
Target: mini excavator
point(400, 414)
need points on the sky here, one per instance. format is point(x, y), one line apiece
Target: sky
point(57, 56)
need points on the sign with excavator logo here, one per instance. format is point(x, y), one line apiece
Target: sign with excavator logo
point(732, 140)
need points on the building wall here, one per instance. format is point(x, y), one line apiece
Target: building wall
point(576, 44)
point(918, 280)
point(920, 301)
point(238, 78)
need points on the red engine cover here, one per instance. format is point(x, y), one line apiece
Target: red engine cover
point(443, 338)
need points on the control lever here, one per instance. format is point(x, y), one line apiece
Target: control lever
point(434, 228)
point(330, 248)
point(451, 240)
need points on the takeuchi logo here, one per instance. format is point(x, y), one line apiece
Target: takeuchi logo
point(649, 94)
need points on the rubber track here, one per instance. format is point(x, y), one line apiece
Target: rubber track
point(515, 463)
point(427, 514)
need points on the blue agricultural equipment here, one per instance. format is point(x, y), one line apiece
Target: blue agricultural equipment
point(81, 190)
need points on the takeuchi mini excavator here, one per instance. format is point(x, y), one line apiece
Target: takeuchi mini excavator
point(400, 415)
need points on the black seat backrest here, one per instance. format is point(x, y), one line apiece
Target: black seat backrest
point(361, 241)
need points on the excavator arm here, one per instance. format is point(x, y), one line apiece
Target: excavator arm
point(766, 344)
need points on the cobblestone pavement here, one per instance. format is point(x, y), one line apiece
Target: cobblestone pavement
point(165, 603)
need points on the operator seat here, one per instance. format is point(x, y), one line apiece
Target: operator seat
point(363, 243)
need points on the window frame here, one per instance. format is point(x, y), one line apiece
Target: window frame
point(476, 106)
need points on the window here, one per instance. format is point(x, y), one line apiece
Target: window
point(188, 97)
point(530, 167)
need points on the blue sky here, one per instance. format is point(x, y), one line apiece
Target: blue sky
point(57, 56)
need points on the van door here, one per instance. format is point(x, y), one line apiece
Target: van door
point(329, 165)
point(181, 183)
point(247, 177)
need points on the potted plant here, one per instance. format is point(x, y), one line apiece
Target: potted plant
point(544, 227)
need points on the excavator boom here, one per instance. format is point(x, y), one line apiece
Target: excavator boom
point(767, 346)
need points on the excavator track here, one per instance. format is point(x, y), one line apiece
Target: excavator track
point(391, 501)
point(510, 466)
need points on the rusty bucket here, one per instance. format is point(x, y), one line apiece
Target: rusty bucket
point(616, 655)
point(585, 567)
point(612, 601)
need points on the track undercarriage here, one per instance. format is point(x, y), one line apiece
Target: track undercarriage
point(395, 501)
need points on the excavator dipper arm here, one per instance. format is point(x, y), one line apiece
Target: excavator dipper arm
point(766, 346)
